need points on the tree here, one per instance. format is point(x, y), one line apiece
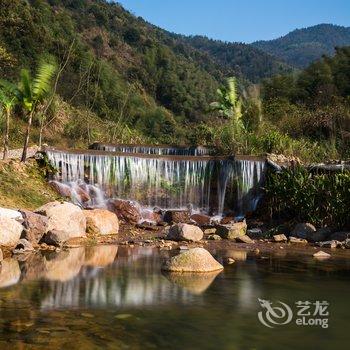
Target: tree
point(31, 92)
point(7, 102)
point(229, 104)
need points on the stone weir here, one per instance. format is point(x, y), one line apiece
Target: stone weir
point(159, 149)
point(213, 185)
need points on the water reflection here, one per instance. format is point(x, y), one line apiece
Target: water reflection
point(49, 299)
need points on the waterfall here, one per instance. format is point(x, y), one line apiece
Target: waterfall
point(157, 150)
point(209, 184)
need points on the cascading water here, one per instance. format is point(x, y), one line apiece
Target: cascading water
point(208, 184)
point(158, 150)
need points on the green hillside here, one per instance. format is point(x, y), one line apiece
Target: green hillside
point(302, 46)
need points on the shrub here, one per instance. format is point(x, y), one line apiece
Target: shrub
point(321, 198)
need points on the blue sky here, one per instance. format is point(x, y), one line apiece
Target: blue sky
point(243, 20)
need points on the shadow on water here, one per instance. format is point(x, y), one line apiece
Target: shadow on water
point(114, 297)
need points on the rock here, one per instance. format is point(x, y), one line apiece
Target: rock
point(35, 226)
point(23, 246)
point(347, 243)
point(321, 255)
point(82, 195)
point(54, 237)
point(10, 231)
point(185, 232)
point(339, 236)
point(151, 216)
point(297, 240)
point(255, 233)
point(280, 238)
point(232, 231)
point(65, 217)
point(319, 235)
point(227, 220)
point(214, 237)
point(62, 189)
point(200, 219)
point(244, 239)
point(193, 260)
point(330, 244)
point(229, 261)
point(209, 231)
point(127, 211)
point(11, 214)
point(302, 230)
point(177, 216)
point(101, 222)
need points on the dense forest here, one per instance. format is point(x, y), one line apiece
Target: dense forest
point(121, 79)
point(301, 47)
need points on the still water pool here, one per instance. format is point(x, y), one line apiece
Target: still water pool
point(110, 297)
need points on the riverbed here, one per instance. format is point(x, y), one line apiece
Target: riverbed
point(116, 297)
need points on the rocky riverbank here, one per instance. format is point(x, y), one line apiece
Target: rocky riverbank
point(61, 225)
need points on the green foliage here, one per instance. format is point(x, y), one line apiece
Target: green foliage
point(304, 46)
point(322, 199)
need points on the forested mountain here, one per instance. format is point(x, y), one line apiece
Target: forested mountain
point(302, 46)
point(249, 62)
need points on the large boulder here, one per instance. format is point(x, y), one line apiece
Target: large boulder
point(321, 234)
point(340, 236)
point(101, 222)
point(127, 211)
point(192, 260)
point(10, 231)
point(177, 216)
point(303, 230)
point(11, 214)
point(232, 231)
point(62, 189)
point(185, 232)
point(64, 217)
point(35, 226)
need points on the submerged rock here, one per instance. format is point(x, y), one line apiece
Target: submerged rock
point(232, 231)
point(35, 226)
point(302, 230)
point(127, 211)
point(193, 260)
point(101, 222)
point(10, 231)
point(185, 232)
point(177, 216)
point(65, 217)
point(321, 255)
